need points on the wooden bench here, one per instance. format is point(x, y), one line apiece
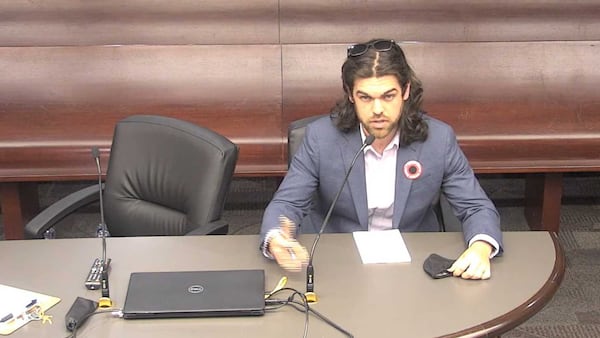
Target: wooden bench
point(249, 69)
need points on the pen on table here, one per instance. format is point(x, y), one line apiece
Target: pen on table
point(32, 303)
point(292, 254)
point(288, 228)
point(7, 318)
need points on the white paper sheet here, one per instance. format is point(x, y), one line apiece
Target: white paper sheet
point(14, 306)
point(385, 246)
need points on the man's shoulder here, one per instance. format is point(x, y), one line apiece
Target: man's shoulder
point(437, 126)
point(323, 124)
point(434, 122)
point(322, 121)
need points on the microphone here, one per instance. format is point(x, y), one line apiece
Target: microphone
point(310, 294)
point(104, 301)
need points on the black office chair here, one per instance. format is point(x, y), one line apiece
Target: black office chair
point(446, 218)
point(165, 177)
point(296, 131)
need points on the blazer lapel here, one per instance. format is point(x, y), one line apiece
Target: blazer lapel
point(403, 184)
point(356, 179)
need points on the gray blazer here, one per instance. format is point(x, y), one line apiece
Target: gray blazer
point(318, 168)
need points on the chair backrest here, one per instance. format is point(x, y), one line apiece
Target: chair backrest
point(296, 134)
point(441, 207)
point(166, 176)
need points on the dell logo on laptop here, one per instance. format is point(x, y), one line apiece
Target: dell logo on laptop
point(196, 289)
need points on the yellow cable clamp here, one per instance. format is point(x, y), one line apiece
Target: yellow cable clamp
point(311, 297)
point(104, 302)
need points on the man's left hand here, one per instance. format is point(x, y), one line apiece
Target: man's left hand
point(474, 263)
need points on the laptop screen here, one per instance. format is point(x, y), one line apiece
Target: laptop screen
point(195, 294)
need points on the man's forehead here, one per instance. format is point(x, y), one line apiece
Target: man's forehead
point(376, 85)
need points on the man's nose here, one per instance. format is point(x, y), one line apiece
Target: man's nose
point(377, 107)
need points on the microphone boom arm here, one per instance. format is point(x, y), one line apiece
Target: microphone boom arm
point(310, 295)
point(105, 300)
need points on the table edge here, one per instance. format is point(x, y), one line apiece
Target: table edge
point(526, 310)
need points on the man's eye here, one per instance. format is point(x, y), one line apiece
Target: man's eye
point(365, 98)
point(389, 97)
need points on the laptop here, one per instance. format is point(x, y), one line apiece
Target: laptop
point(182, 294)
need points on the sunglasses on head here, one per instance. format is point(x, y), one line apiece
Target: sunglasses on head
point(378, 45)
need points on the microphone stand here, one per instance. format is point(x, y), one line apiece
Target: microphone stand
point(310, 294)
point(105, 300)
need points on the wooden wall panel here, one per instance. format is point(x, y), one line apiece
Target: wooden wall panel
point(195, 59)
point(311, 79)
point(344, 21)
point(533, 84)
point(57, 102)
point(118, 22)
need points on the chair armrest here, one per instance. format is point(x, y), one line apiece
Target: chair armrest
point(218, 227)
point(46, 219)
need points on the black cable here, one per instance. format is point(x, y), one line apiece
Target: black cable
point(74, 332)
point(291, 299)
point(323, 318)
point(274, 304)
point(301, 306)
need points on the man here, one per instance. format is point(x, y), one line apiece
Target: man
point(396, 181)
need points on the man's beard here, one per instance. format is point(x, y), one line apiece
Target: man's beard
point(380, 133)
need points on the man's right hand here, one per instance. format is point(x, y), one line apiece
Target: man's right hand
point(288, 252)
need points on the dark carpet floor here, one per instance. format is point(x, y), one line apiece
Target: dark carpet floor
point(573, 312)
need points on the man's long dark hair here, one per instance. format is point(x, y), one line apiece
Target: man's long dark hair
point(393, 62)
